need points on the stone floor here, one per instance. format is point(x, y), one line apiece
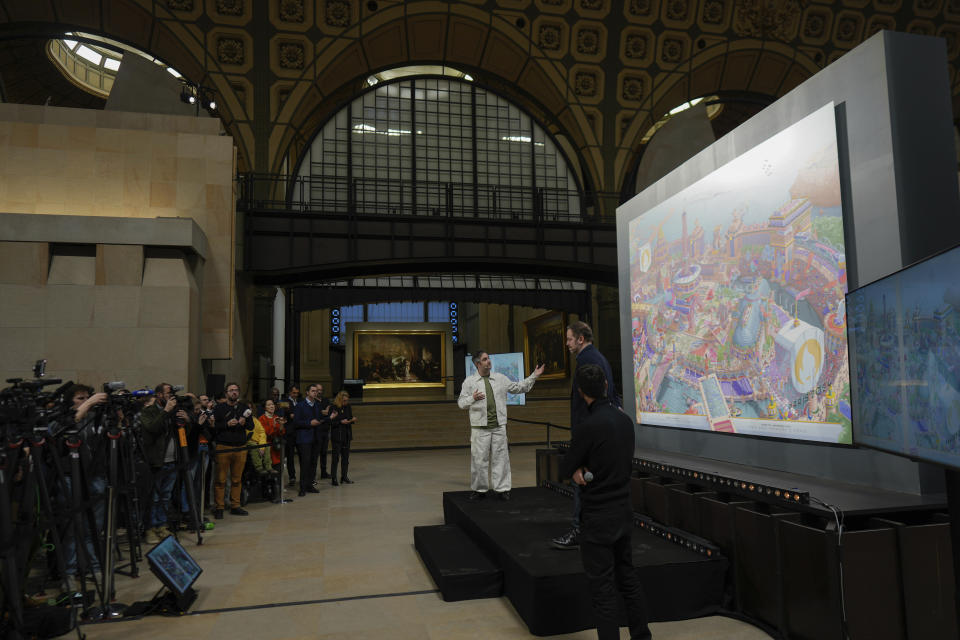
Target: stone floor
point(341, 564)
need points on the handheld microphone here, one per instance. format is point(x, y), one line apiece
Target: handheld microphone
point(142, 393)
point(588, 476)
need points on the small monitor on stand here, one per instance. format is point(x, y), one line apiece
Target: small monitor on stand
point(171, 563)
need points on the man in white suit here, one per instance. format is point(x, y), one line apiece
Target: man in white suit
point(485, 394)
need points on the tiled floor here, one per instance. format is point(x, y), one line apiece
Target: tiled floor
point(346, 556)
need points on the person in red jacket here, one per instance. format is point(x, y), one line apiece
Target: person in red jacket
point(274, 426)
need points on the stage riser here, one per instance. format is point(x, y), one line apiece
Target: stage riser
point(547, 587)
point(459, 569)
point(758, 577)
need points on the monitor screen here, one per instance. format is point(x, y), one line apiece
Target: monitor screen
point(905, 361)
point(173, 565)
point(737, 284)
point(510, 365)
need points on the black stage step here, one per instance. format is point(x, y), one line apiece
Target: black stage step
point(458, 566)
point(547, 586)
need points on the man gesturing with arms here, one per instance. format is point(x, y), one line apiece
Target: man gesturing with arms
point(485, 393)
point(603, 445)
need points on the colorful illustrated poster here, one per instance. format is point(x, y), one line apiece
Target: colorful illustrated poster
point(737, 284)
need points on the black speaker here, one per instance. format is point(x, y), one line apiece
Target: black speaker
point(215, 384)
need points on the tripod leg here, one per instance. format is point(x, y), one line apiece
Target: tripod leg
point(84, 563)
point(11, 583)
point(185, 479)
point(46, 508)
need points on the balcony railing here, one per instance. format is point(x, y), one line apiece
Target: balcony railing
point(392, 197)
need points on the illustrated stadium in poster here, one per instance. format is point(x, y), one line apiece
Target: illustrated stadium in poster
point(510, 365)
point(737, 295)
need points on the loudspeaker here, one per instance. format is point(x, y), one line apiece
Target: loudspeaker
point(215, 384)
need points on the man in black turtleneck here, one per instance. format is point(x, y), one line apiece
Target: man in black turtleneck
point(603, 445)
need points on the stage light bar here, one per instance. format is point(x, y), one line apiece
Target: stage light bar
point(739, 485)
point(677, 536)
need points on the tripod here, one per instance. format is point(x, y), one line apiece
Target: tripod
point(184, 473)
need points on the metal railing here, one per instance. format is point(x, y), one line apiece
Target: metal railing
point(340, 195)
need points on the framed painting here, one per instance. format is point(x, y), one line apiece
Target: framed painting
point(400, 358)
point(544, 341)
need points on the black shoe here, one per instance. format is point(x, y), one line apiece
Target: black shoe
point(239, 511)
point(346, 481)
point(302, 493)
point(292, 483)
point(313, 490)
point(569, 540)
point(218, 514)
point(335, 483)
point(324, 475)
point(504, 495)
point(477, 495)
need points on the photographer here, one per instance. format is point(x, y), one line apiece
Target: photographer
point(82, 400)
point(158, 429)
point(229, 430)
point(198, 433)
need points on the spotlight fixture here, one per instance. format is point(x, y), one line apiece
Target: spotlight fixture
point(745, 487)
point(676, 536)
point(188, 94)
point(198, 95)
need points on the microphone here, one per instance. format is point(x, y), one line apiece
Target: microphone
point(176, 388)
point(114, 386)
point(247, 413)
point(588, 476)
point(142, 393)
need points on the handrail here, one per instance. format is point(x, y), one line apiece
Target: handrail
point(374, 196)
point(548, 425)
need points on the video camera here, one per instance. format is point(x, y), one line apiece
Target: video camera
point(25, 408)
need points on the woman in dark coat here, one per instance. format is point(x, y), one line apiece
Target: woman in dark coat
point(341, 433)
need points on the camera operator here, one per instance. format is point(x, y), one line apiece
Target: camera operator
point(198, 434)
point(229, 432)
point(158, 421)
point(82, 400)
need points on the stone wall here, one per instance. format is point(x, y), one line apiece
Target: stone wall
point(79, 162)
point(99, 311)
point(118, 241)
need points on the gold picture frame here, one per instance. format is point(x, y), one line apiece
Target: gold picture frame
point(400, 358)
point(544, 340)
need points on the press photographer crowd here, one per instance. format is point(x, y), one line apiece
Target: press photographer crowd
point(91, 480)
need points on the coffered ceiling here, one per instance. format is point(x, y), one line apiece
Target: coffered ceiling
point(598, 72)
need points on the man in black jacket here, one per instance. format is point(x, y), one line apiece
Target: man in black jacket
point(158, 429)
point(603, 444)
point(580, 345)
point(230, 432)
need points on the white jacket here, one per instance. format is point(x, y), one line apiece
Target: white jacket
point(501, 385)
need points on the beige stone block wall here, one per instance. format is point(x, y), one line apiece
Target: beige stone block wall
point(80, 162)
point(121, 314)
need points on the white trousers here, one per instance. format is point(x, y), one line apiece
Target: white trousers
point(489, 460)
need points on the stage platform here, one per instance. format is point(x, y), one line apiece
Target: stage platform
point(547, 586)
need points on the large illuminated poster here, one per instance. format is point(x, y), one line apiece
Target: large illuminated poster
point(737, 290)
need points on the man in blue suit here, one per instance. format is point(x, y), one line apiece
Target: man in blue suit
point(580, 345)
point(309, 415)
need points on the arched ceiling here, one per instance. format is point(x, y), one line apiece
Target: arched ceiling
point(599, 72)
